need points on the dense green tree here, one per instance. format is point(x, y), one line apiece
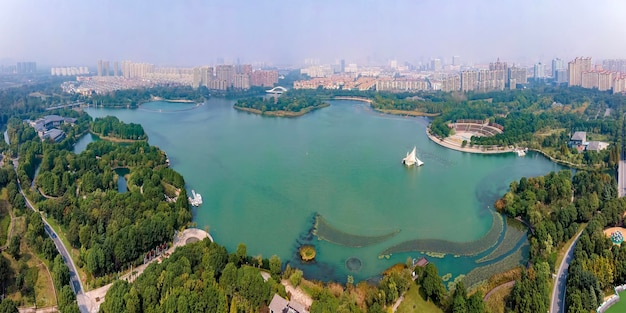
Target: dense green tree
point(326, 303)
point(433, 284)
point(8, 306)
point(14, 246)
point(275, 266)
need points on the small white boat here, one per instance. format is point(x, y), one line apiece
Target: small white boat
point(411, 159)
point(195, 199)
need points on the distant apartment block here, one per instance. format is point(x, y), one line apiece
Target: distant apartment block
point(539, 71)
point(69, 71)
point(517, 75)
point(26, 67)
point(263, 78)
point(615, 65)
point(401, 84)
point(558, 65)
point(576, 68)
point(469, 80)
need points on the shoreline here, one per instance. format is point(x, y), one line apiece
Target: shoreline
point(387, 111)
point(115, 139)
point(282, 113)
point(454, 146)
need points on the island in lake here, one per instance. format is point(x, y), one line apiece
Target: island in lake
point(285, 106)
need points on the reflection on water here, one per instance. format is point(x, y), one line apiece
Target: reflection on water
point(121, 180)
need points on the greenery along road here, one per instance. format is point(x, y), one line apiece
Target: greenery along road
point(557, 305)
point(75, 281)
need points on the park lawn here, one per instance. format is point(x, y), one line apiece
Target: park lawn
point(413, 302)
point(45, 295)
point(496, 303)
point(44, 289)
point(620, 306)
point(5, 218)
point(597, 137)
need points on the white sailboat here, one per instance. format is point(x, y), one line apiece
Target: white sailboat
point(195, 199)
point(411, 159)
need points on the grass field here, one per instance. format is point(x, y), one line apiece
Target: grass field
point(495, 303)
point(5, 217)
point(620, 306)
point(44, 288)
point(413, 302)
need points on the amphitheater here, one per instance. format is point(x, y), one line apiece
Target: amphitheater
point(465, 129)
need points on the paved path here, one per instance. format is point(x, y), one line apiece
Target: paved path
point(52, 309)
point(621, 178)
point(496, 288)
point(297, 294)
point(557, 304)
point(95, 297)
point(75, 282)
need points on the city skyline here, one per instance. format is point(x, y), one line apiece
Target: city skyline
point(190, 33)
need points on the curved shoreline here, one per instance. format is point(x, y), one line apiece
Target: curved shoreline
point(115, 139)
point(386, 111)
point(281, 113)
point(454, 146)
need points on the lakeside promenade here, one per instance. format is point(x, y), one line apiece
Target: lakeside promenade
point(451, 144)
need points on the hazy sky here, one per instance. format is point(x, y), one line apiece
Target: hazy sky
point(180, 32)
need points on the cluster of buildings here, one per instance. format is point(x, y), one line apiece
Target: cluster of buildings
point(69, 71)
point(87, 85)
point(47, 127)
point(610, 75)
point(19, 68)
point(580, 143)
point(583, 73)
point(497, 76)
point(220, 77)
point(129, 75)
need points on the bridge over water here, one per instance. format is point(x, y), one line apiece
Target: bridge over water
point(277, 90)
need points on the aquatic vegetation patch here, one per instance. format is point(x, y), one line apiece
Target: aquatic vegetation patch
point(436, 255)
point(307, 253)
point(353, 264)
point(446, 277)
point(483, 273)
point(438, 246)
point(325, 231)
point(452, 284)
point(514, 233)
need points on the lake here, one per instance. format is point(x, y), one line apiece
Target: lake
point(263, 180)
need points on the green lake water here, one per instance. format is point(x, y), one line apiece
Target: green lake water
point(263, 179)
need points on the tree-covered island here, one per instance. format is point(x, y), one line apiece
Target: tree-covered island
point(286, 105)
point(112, 129)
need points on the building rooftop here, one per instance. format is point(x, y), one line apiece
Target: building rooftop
point(282, 305)
point(597, 145)
point(581, 136)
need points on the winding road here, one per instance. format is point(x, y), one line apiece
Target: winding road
point(75, 282)
point(557, 305)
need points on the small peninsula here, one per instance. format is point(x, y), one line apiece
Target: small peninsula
point(112, 129)
point(284, 106)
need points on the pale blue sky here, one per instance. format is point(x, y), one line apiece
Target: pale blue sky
point(79, 32)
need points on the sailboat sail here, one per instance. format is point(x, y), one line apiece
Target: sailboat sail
point(411, 159)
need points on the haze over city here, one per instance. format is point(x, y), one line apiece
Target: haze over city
point(190, 33)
